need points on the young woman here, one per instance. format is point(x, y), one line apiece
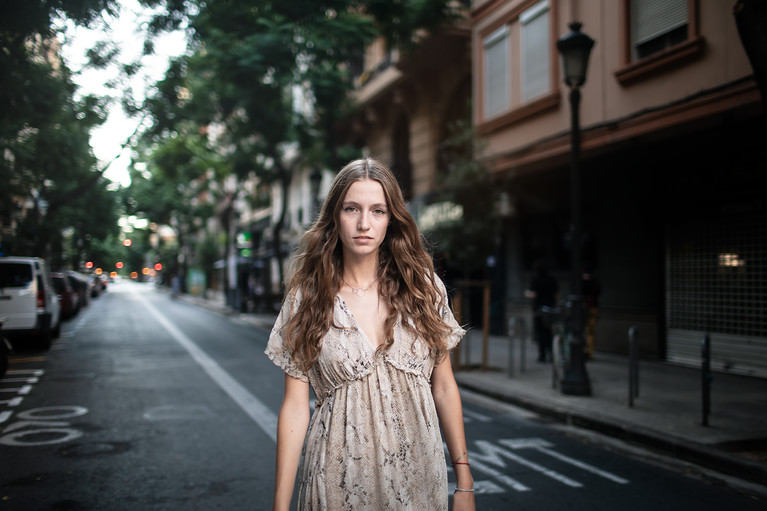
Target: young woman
point(367, 325)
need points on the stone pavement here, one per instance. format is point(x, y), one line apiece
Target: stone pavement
point(666, 417)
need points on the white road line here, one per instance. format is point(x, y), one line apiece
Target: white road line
point(255, 409)
point(487, 447)
point(499, 476)
point(584, 466)
point(478, 416)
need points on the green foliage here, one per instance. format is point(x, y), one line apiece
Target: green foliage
point(468, 242)
point(49, 184)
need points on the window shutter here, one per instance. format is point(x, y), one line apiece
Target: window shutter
point(535, 51)
point(496, 72)
point(651, 18)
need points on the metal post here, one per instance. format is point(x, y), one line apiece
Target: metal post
point(512, 334)
point(633, 366)
point(706, 377)
point(576, 380)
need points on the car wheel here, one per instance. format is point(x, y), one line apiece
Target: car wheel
point(44, 340)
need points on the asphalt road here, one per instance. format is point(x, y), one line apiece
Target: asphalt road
point(147, 403)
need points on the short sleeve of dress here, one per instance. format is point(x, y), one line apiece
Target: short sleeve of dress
point(456, 332)
point(276, 349)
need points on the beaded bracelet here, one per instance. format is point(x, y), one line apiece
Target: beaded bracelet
point(462, 489)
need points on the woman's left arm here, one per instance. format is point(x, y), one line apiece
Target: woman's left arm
point(448, 402)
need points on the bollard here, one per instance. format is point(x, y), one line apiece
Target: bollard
point(633, 365)
point(512, 334)
point(706, 377)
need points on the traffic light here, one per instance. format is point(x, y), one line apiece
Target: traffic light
point(119, 265)
point(158, 266)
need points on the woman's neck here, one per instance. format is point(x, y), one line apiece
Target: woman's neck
point(360, 271)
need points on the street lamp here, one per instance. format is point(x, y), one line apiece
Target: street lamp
point(575, 48)
point(315, 180)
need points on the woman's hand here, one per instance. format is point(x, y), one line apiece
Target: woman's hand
point(463, 501)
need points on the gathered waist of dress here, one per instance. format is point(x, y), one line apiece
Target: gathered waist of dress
point(383, 361)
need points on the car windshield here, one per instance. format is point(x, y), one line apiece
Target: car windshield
point(15, 275)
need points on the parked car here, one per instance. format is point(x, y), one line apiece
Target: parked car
point(98, 285)
point(69, 300)
point(28, 301)
point(79, 283)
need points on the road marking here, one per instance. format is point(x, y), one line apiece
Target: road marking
point(477, 416)
point(33, 372)
point(16, 401)
point(39, 428)
point(543, 446)
point(486, 451)
point(21, 390)
point(20, 360)
point(250, 404)
point(20, 380)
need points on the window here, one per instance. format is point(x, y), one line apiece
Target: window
point(535, 77)
point(496, 72)
point(517, 60)
point(657, 25)
point(659, 34)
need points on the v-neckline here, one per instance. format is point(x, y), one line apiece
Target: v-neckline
point(366, 338)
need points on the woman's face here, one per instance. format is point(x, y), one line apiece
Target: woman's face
point(364, 219)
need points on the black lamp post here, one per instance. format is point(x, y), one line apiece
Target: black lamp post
point(575, 48)
point(315, 180)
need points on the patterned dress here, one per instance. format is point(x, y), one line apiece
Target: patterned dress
point(373, 441)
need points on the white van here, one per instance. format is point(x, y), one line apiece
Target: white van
point(28, 302)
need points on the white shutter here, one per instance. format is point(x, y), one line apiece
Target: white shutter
point(496, 72)
point(535, 51)
point(652, 18)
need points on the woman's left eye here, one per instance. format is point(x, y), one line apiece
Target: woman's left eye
point(379, 211)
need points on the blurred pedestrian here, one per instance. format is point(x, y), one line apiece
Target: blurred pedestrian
point(366, 324)
point(544, 291)
point(590, 291)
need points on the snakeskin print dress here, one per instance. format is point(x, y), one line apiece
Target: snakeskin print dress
point(373, 441)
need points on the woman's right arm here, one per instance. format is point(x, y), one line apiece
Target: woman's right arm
point(292, 424)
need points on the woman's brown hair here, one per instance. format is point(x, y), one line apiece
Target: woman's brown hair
point(405, 272)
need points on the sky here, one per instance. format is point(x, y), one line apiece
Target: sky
point(126, 32)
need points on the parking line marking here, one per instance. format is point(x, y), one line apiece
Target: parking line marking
point(33, 372)
point(21, 390)
point(252, 406)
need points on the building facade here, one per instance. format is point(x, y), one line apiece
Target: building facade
point(673, 162)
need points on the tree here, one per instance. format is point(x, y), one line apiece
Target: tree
point(470, 239)
point(276, 75)
point(44, 135)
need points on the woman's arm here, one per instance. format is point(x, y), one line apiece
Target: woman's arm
point(292, 424)
point(448, 402)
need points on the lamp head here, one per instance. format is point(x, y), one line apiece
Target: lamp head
point(575, 48)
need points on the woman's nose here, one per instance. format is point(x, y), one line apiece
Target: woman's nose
point(364, 223)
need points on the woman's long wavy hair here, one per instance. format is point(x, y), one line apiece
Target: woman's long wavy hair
point(405, 272)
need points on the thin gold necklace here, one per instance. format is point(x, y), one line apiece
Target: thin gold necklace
point(360, 291)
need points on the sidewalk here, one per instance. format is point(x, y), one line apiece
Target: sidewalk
point(666, 417)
